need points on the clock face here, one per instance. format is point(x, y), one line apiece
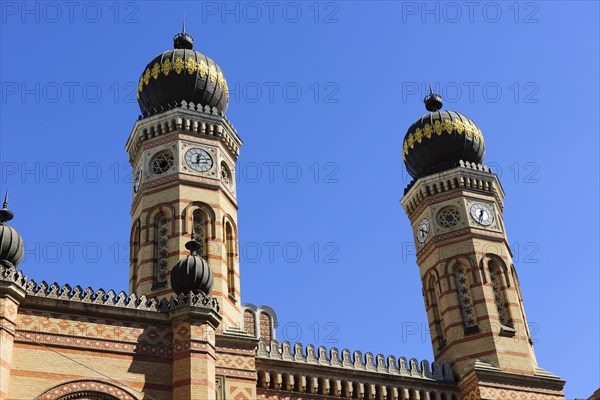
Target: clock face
point(482, 214)
point(137, 180)
point(423, 230)
point(198, 159)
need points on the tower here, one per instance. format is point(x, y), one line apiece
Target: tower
point(183, 152)
point(470, 285)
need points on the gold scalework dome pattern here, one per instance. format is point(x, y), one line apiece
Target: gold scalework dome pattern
point(440, 140)
point(182, 74)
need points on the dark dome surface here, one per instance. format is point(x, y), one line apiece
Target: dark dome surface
point(11, 243)
point(181, 74)
point(192, 273)
point(439, 140)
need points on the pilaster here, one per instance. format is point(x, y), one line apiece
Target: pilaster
point(236, 364)
point(11, 295)
point(194, 351)
point(485, 382)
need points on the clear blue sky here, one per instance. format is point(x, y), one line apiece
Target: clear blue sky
point(325, 90)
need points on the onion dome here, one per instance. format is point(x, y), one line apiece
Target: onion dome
point(440, 140)
point(11, 243)
point(192, 272)
point(181, 74)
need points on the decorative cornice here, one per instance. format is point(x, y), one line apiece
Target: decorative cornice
point(486, 375)
point(185, 118)
point(466, 176)
point(9, 275)
point(376, 364)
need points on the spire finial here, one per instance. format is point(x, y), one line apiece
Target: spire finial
point(5, 215)
point(183, 40)
point(433, 101)
point(194, 245)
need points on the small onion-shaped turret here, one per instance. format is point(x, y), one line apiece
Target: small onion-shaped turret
point(11, 243)
point(192, 273)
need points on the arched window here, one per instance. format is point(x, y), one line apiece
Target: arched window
point(433, 304)
point(464, 299)
point(499, 287)
point(134, 256)
point(230, 248)
point(412, 394)
point(199, 228)
point(250, 322)
point(161, 249)
point(265, 326)
point(220, 387)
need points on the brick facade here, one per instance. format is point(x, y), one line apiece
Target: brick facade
point(63, 342)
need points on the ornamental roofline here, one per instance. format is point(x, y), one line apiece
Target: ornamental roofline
point(465, 176)
point(353, 361)
point(301, 370)
point(109, 302)
point(185, 118)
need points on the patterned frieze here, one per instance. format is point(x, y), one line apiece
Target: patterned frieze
point(186, 117)
point(467, 176)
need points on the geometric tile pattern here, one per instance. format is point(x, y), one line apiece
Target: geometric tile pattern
point(486, 393)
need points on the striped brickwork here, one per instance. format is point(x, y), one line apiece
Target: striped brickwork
point(175, 196)
point(472, 294)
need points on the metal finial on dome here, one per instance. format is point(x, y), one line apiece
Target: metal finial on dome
point(433, 101)
point(5, 215)
point(183, 40)
point(193, 245)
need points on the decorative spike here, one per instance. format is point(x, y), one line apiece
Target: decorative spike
point(5, 215)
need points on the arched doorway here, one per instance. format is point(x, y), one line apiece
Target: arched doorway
point(86, 389)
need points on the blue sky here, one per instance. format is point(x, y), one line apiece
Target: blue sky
point(322, 95)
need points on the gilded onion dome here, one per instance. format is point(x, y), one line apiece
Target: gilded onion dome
point(192, 273)
point(181, 74)
point(440, 140)
point(11, 243)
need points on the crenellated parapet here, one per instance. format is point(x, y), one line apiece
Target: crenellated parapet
point(345, 374)
point(185, 118)
point(466, 176)
point(8, 274)
point(355, 360)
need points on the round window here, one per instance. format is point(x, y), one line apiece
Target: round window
point(226, 174)
point(161, 162)
point(448, 217)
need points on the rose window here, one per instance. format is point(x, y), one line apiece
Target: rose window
point(448, 217)
point(162, 162)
